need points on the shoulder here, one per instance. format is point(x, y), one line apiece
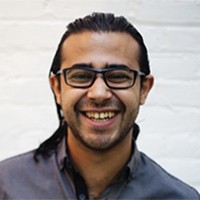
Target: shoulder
point(161, 182)
point(15, 161)
point(22, 165)
point(13, 171)
point(21, 176)
point(17, 167)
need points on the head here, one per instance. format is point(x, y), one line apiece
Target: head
point(124, 45)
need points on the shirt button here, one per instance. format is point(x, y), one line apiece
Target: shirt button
point(82, 197)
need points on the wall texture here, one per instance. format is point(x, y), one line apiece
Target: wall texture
point(170, 120)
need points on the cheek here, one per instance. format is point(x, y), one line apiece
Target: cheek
point(130, 97)
point(70, 97)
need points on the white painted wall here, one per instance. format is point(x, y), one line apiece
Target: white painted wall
point(170, 120)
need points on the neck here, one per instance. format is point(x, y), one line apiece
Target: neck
point(98, 168)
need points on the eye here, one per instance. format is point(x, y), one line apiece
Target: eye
point(79, 75)
point(118, 76)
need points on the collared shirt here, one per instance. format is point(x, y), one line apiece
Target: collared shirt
point(54, 178)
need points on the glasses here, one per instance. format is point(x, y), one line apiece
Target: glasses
point(115, 76)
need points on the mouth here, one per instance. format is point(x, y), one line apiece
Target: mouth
point(100, 116)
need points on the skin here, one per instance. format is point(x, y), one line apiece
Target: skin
point(101, 147)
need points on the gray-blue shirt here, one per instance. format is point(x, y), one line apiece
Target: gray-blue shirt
point(52, 178)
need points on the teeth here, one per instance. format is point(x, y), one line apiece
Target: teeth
point(102, 115)
point(96, 115)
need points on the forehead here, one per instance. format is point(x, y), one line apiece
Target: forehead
point(100, 47)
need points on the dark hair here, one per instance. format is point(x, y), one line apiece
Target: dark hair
point(97, 22)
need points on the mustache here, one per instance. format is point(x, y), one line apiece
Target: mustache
point(114, 104)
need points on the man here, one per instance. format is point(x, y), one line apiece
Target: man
point(99, 76)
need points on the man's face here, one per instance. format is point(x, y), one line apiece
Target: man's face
point(99, 117)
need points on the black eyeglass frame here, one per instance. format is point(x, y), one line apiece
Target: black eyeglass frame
point(101, 71)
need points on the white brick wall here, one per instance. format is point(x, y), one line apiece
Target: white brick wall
point(170, 121)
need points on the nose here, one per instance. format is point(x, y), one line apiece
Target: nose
point(99, 91)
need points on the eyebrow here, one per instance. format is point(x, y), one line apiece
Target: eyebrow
point(89, 65)
point(119, 65)
point(83, 65)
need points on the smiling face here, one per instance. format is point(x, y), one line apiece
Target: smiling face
point(99, 117)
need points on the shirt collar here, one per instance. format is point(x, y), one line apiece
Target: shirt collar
point(134, 161)
point(135, 158)
point(62, 153)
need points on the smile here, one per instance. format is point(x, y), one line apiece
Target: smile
point(100, 116)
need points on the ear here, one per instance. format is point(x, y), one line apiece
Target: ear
point(55, 86)
point(146, 86)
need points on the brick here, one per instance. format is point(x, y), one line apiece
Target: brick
point(171, 39)
point(175, 66)
point(25, 127)
point(27, 92)
point(161, 124)
point(20, 9)
point(165, 12)
point(177, 166)
point(175, 93)
point(25, 64)
point(166, 141)
point(25, 118)
point(73, 9)
point(30, 36)
point(57, 9)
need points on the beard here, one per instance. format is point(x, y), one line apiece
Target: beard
point(101, 139)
